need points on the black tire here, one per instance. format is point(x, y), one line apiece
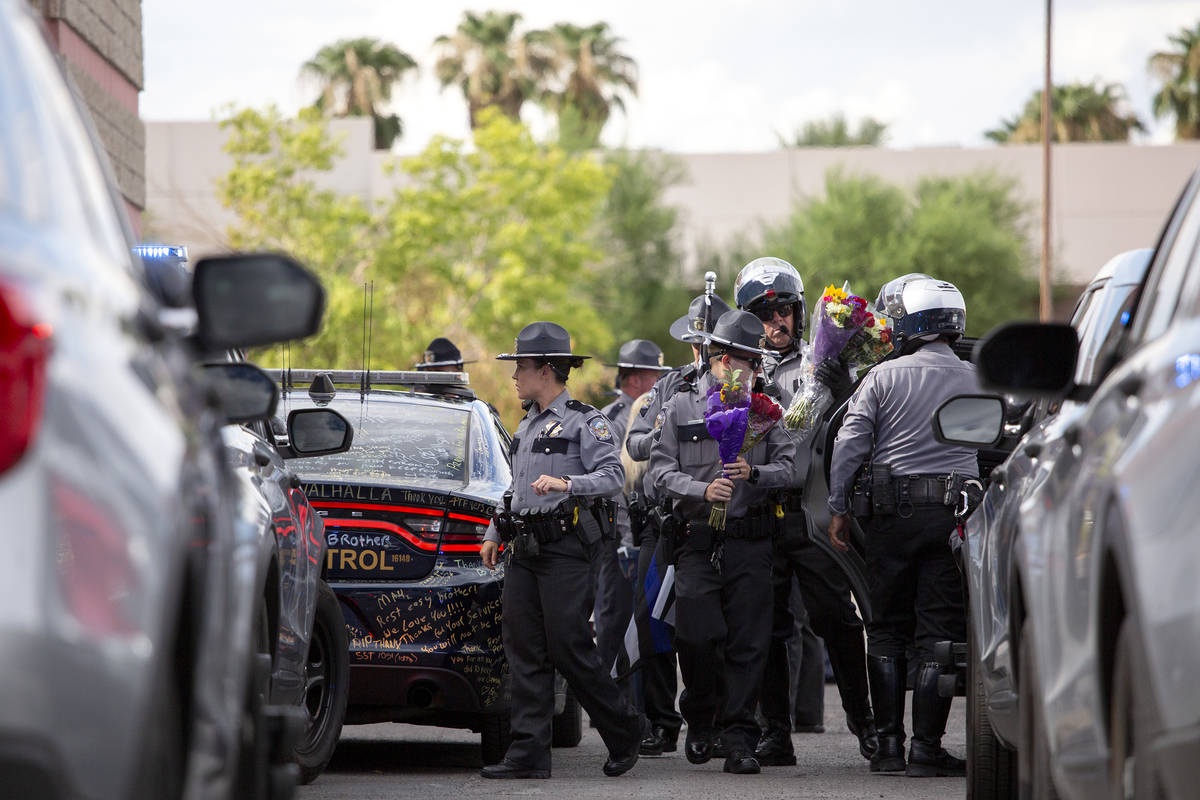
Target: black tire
point(991, 767)
point(494, 738)
point(568, 726)
point(326, 686)
point(1129, 774)
point(1033, 748)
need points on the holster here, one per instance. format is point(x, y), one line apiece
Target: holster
point(860, 496)
point(604, 511)
point(667, 525)
point(883, 490)
point(637, 518)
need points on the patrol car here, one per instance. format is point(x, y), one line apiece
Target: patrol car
point(405, 511)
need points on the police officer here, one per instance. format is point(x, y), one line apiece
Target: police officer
point(722, 578)
point(564, 462)
point(772, 290)
point(913, 488)
point(659, 672)
point(639, 365)
point(441, 356)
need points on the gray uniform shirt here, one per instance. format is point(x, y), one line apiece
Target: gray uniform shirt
point(685, 460)
point(785, 373)
point(617, 413)
point(892, 410)
point(562, 442)
point(647, 424)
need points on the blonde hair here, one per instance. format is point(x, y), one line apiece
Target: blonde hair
point(634, 470)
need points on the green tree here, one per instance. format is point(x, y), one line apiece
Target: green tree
point(478, 241)
point(835, 132)
point(494, 65)
point(356, 78)
point(598, 76)
point(1081, 112)
point(1179, 71)
point(643, 291)
point(967, 230)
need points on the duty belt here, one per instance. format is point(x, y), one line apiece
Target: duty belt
point(546, 528)
point(758, 525)
point(937, 490)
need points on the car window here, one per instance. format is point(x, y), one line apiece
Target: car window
point(489, 452)
point(407, 441)
point(1104, 332)
point(1162, 292)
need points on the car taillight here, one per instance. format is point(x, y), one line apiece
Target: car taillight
point(96, 574)
point(463, 534)
point(24, 353)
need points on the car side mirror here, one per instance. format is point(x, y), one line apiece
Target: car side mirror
point(252, 300)
point(246, 392)
point(1028, 358)
point(970, 420)
point(317, 432)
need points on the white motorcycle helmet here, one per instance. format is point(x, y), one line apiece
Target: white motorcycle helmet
point(923, 307)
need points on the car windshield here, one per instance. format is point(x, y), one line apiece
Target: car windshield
point(410, 442)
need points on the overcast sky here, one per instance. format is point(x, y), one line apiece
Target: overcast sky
point(716, 75)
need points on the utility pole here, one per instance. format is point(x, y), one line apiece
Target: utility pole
point(1047, 134)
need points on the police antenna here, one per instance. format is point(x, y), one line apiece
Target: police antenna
point(710, 287)
point(368, 336)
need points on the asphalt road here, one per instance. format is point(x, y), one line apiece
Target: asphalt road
point(374, 762)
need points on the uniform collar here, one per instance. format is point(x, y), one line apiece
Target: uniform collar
point(626, 398)
point(558, 405)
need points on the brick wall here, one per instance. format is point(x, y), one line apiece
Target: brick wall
point(101, 43)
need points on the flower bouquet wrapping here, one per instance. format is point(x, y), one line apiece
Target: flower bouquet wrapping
point(839, 315)
point(738, 420)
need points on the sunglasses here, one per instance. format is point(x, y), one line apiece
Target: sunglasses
point(766, 313)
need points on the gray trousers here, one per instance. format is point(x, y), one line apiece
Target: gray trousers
point(614, 603)
point(547, 601)
point(722, 629)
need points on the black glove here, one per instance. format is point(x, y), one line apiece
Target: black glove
point(834, 375)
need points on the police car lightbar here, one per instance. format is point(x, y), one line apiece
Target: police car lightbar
point(365, 380)
point(157, 251)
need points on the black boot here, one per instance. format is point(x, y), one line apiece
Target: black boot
point(926, 758)
point(888, 677)
point(775, 748)
point(849, 663)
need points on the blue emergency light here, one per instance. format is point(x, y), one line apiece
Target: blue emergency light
point(161, 251)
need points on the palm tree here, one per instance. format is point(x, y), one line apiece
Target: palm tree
point(356, 77)
point(599, 75)
point(493, 65)
point(835, 132)
point(1179, 71)
point(1082, 112)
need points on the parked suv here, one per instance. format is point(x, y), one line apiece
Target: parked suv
point(1105, 624)
point(126, 613)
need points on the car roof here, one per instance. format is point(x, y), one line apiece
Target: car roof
point(1124, 269)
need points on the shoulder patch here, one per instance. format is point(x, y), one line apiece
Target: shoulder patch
point(615, 411)
point(650, 398)
point(598, 425)
point(658, 421)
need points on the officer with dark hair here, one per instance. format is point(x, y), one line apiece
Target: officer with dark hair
point(659, 671)
point(441, 356)
point(772, 290)
point(565, 464)
point(639, 364)
point(722, 577)
point(909, 492)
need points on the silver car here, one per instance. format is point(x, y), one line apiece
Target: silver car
point(1109, 616)
point(126, 605)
